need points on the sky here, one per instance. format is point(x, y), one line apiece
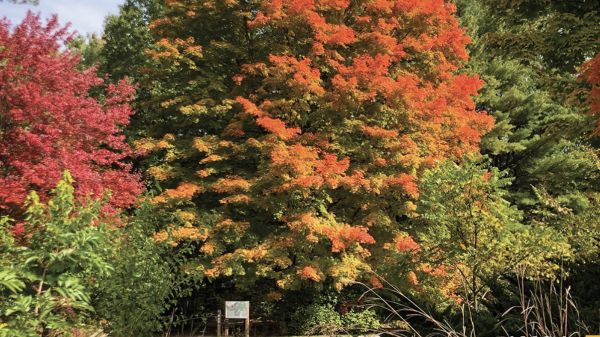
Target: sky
point(85, 16)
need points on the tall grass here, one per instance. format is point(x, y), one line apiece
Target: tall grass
point(544, 309)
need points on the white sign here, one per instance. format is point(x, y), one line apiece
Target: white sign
point(237, 309)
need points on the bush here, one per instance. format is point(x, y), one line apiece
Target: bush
point(48, 264)
point(321, 318)
point(361, 321)
point(134, 296)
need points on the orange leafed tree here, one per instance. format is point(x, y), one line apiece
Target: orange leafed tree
point(310, 123)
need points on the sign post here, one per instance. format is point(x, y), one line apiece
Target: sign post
point(219, 323)
point(247, 327)
point(239, 310)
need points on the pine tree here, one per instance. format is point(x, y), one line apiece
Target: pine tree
point(542, 135)
point(530, 54)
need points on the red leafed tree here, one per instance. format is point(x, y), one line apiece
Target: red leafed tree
point(49, 123)
point(591, 74)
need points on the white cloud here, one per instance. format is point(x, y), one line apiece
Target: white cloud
point(85, 16)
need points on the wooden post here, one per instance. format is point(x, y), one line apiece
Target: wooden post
point(226, 327)
point(219, 323)
point(247, 323)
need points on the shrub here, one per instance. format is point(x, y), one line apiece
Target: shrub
point(134, 296)
point(361, 320)
point(318, 318)
point(48, 264)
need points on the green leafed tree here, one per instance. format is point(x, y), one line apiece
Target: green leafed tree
point(89, 48)
point(127, 36)
point(135, 296)
point(468, 224)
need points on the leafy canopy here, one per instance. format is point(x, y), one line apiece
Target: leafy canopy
point(289, 137)
point(49, 123)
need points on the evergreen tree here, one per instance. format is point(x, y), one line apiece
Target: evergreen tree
point(542, 134)
point(530, 54)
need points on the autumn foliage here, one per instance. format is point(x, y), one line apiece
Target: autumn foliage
point(49, 123)
point(310, 122)
point(291, 153)
point(591, 75)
